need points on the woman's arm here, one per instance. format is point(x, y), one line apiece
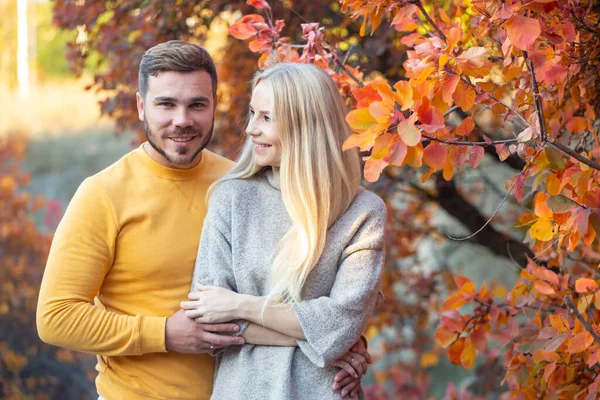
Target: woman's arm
point(256, 334)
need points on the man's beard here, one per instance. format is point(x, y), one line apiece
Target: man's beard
point(183, 159)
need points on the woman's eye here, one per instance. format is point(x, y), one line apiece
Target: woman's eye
point(267, 118)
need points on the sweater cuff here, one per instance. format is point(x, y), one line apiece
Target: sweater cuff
point(152, 335)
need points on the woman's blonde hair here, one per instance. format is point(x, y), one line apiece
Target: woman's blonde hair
point(318, 180)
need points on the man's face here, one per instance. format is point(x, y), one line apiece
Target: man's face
point(178, 114)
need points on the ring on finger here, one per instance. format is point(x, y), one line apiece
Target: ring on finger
point(352, 359)
point(212, 346)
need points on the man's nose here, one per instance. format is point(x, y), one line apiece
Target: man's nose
point(182, 118)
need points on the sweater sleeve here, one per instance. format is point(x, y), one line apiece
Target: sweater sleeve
point(214, 264)
point(81, 255)
point(332, 324)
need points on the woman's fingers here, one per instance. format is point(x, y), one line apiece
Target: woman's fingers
point(340, 375)
point(193, 314)
point(351, 389)
point(342, 383)
point(346, 367)
point(188, 305)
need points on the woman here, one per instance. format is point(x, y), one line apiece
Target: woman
point(292, 246)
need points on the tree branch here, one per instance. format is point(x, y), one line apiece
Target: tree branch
point(566, 149)
point(431, 22)
point(539, 106)
point(586, 324)
point(456, 143)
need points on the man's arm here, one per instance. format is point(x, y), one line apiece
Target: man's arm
point(81, 255)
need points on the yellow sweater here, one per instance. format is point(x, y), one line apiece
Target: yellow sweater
point(128, 242)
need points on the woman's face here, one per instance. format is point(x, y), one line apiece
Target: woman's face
point(261, 127)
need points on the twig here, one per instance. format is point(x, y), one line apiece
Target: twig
point(489, 219)
point(450, 110)
point(483, 144)
point(431, 22)
point(587, 326)
point(566, 149)
point(539, 105)
point(497, 100)
point(350, 74)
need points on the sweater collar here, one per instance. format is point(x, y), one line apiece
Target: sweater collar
point(273, 177)
point(166, 172)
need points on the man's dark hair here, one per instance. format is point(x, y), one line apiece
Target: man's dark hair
point(175, 55)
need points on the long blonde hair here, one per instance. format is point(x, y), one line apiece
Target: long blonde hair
point(318, 179)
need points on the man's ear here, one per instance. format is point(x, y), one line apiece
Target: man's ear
point(140, 105)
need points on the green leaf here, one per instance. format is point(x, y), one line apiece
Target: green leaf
point(560, 204)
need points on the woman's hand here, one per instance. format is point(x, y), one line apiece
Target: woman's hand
point(212, 305)
point(354, 365)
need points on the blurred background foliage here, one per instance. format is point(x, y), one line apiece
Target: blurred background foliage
point(79, 117)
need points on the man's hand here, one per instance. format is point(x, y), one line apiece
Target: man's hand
point(354, 365)
point(184, 335)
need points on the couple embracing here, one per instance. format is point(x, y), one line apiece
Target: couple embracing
point(261, 292)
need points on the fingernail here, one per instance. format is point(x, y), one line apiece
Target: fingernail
point(236, 328)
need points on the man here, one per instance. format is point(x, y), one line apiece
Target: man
point(128, 242)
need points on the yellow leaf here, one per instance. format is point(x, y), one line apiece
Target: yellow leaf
point(360, 120)
point(467, 357)
point(429, 359)
point(558, 322)
point(542, 230)
point(409, 133)
point(464, 96)
point(541, 355)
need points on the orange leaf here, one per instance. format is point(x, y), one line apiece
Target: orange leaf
point(580, 342)
point(404, 94)
point(558, 322)
point(360, 120)
point(502, 152)
point(577, 124)
point(548, 370)
point(583, 285)
point(259, 4)
point(414, 156)
point(466, 127)
point(523, 31)
point(373, 168)
point(444, 337)
point(364, 141)
point(543, 288)
point(244, 28)
point(464, 96)
point(260, 46)
point(409, 133)
point(461, 280)
point(429, 359)
point(454, 302)
point(473, 58)
point(448, 88)
point(455, 351)
point(435, 155)
point(467, 357)
point(541, 355)
point(547, 275)
point(380, 112)
point(398, 151)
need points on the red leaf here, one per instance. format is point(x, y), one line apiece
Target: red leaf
point(475, 155)
point(261, 4)
point(435, 155)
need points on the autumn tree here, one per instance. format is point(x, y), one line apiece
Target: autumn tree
point(28, 368)
point(435, 90)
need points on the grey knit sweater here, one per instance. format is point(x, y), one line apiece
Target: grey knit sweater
point(245, 221)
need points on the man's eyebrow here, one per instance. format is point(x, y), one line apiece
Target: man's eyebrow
point(164, 98)
point(198, 99)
